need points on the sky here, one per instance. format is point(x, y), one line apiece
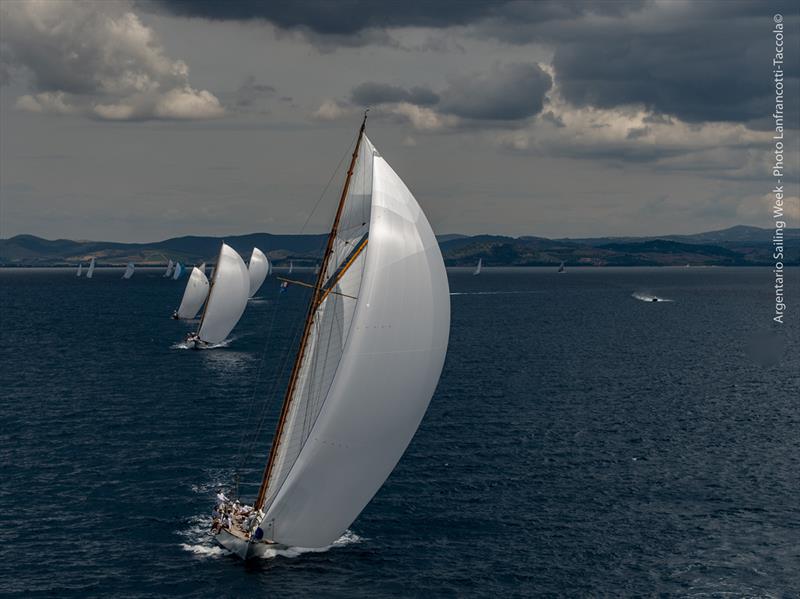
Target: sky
point(139, 120)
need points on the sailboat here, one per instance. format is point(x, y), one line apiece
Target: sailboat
point(370, 356)
point(80, 269)
point(176, 274)
point(477, 270)
point(258, 269)
point(227, 299)
point(291, 267)
point(90, 271)
point(194, 295)
point(169, 270)
point(128, 271)
point(562, 268)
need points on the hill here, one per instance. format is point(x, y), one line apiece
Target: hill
point(739, 245)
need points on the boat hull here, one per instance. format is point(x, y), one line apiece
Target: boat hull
point(245, 548)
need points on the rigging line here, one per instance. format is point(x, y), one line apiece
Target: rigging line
point(280, 371)
point(251, 403)
point(302, 284)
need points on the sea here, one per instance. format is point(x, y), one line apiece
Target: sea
point(584, 441)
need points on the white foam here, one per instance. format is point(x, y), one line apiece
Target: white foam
point(647, 297)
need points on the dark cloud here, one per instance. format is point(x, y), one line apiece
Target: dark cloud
point(251, 91)
point(372, 94)
point(344, 17)
point(702, 61)
point(506, 93)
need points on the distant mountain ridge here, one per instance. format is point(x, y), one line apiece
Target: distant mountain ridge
point(739, 245)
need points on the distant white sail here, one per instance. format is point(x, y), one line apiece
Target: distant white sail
point(227, 297)
point(90, 272)
point(194, 295)
point(170, 267)
point(128, 271)
point(291, 267)
point(202, 268)
point(80, 269)
point(258, 269)
point(178, 271)
point(477, 270)
point(562, 268)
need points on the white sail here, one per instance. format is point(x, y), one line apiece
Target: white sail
point(194, 295)
point(90, 271)
point(202, 268)
point(168, 272)
point(176, 274)
point(258, 269)
point(80, 269)
point(227, 297)
point(128, 271)
point(372, 362)
point(477, 270)
point(291, 267)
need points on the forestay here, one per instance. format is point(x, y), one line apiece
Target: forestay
point(194, 295)
point(227, 298)
point(373, 359)
point(258, 270)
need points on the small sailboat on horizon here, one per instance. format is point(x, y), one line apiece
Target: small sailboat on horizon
point(90, 271)
point(227, 299)
point(477, 270)
point(170, 268)
point(176, 274)
point(128, 271)
point(80, 269)
point(370, 356)
point(562, 267)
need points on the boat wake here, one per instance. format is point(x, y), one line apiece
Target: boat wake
point(184, 345)
point(198, 540)
point(647, 297)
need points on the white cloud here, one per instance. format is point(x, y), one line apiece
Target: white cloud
point(97, 59)
point(330, 110)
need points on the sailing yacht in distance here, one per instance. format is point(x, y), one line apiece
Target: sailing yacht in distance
point(90, 270)
point(562, 268)
point(227, 299)
point(168, 272)
point(291, 267)
point(477, 270)
point(370, 355)
point(258, 269)
point(80, 269)
point(194, 295)
point(176, 274)
point(128, 271)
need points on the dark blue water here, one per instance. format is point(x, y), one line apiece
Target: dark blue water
point(581, 443)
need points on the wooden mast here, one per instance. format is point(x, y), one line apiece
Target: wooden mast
point(312, 310)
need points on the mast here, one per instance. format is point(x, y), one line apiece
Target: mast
point(312, 310)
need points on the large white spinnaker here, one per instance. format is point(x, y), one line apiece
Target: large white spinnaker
point(168, 272)
point(128, 271)
point(194, 295)
point(90, 271)
point(258, 270)
point(373, 360)
point(227, 298)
